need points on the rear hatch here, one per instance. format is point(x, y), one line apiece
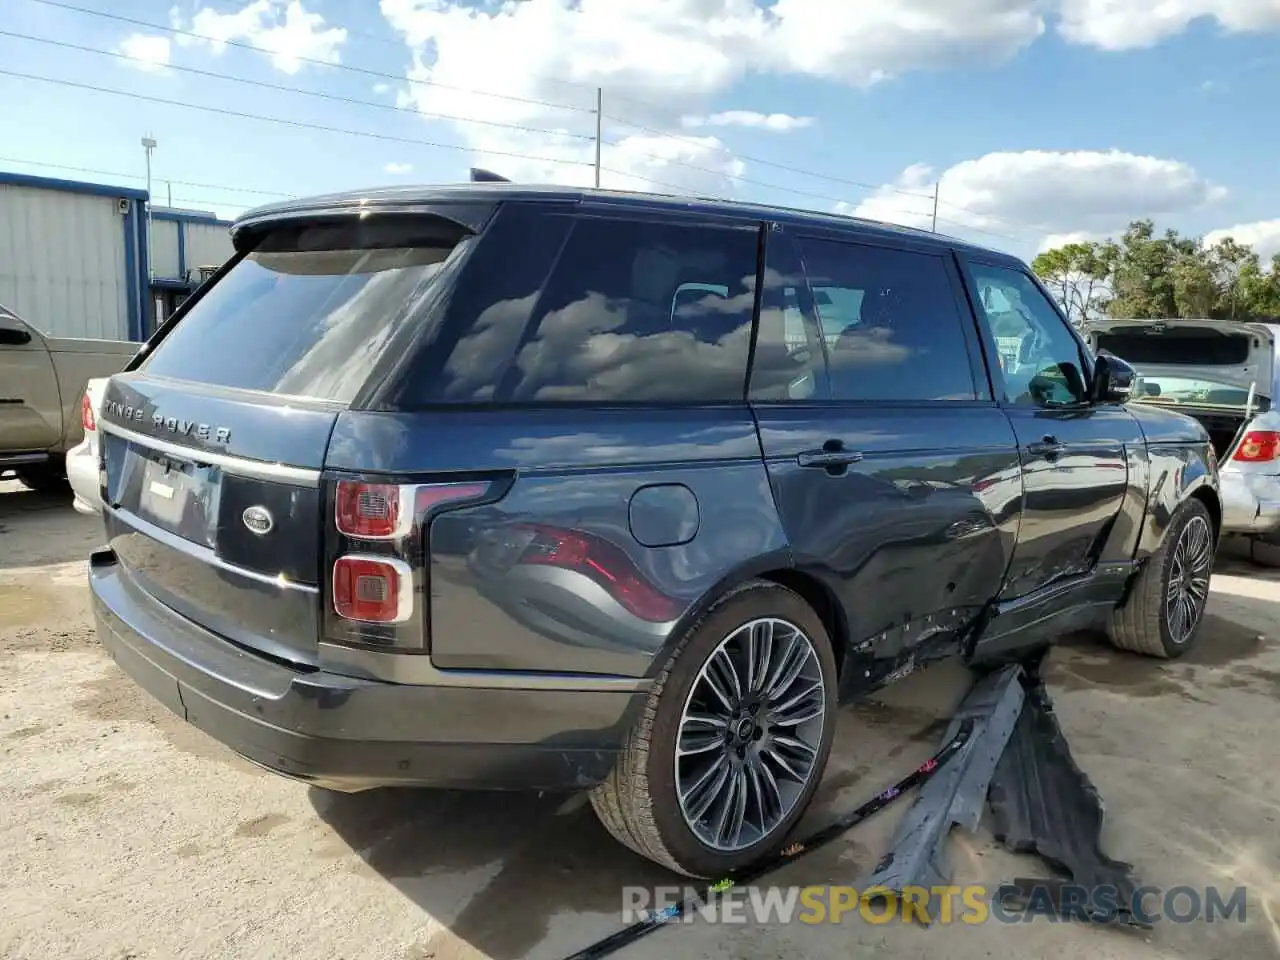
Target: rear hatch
point(213, 440)
point(1219, 372)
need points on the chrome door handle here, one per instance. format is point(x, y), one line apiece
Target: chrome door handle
point(1049, 447)
point(827, 458)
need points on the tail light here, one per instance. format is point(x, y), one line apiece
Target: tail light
point(372, 589)
point(603, 562)
point(1258, 446)
point(87, 419)
point(377, 560)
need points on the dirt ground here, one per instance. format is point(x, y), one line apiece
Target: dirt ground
point(127, 834)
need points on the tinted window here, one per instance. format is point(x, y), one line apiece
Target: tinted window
point(1174, 345)
point(1039, 356)
point(891, 321)
point(638, 311)
point(788, 359)
point(309, 311)
point(464, 358)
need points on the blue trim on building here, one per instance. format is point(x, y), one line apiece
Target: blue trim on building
point(133, 280)
point(70, 186)
point(181, 228)
point(172, 283)
point(177, 216)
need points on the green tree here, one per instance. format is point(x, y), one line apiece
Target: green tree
point(1148, 275)
point(1076, 275)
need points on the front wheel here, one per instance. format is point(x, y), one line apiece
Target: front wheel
point(1162, 615)
point(733, 739)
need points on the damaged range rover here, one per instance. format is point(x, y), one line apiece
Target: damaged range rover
point(493, 486)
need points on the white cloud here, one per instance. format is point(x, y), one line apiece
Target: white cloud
point(398, 168)
point(1128, 24)
point(662, 63)
point(1036, 196)
point(777, 122)
point(382, 88)
point(1262, 235)
point(662, 60)
point(285, 28)
point(146, 52)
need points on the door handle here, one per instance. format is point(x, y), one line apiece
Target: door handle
point(827, 459)
point(1049, 447)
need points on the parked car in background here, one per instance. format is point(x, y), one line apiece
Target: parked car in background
point(1225, 374)
point(42, 383)
point(535, 488)
point(82, 459)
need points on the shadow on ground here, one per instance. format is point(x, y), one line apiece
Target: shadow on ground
point(526, 861)
point(39, 528)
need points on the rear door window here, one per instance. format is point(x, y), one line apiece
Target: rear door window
point(310, 310)
point(639, 311)
point(891, 321)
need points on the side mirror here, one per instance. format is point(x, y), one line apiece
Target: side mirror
point(1112, 379)
point(14, 336)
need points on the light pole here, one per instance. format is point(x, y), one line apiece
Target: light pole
point(148, 144)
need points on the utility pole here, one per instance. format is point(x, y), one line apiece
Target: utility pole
point(169, 188)
point(149, 144)
point(599, 129)
point(936, 185)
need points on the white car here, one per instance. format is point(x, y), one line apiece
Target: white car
point(1225, 374)
point(82, 459)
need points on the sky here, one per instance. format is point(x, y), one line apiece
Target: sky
point(1036, 121)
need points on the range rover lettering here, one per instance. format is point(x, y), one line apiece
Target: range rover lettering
point(547, 489)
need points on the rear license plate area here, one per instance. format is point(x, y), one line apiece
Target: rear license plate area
point(179, 496)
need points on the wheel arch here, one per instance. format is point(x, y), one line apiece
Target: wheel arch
point(777, 568)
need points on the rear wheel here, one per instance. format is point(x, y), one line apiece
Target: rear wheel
point(733, 739)
point(1164, 610)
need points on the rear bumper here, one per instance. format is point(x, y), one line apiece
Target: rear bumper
point(82, 474)
point(1250, 502)
point(347, 733)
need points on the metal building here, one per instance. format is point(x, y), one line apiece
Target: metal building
point(76, 261)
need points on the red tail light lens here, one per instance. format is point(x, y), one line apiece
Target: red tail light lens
point(606, 564)
point(372, 589)
point(370, 511)
point(386, 511)
point(87, 419)
point(1258, 446)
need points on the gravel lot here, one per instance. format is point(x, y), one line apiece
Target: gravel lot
point(128, 834)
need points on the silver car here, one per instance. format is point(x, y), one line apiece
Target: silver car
point(1224, 374)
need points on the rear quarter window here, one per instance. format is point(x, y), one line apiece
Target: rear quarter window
point(596, 310)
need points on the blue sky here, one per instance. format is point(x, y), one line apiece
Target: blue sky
point(1039, 119)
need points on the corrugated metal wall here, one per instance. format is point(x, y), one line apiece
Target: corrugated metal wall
point(208, 245)
point(62, 262)
point(164, 249)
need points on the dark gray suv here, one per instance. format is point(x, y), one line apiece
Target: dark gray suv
point(502, 487)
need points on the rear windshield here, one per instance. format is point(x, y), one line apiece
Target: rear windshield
point(310, 310)
point(1172, 345)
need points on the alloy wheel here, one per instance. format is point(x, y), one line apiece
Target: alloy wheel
point(1188, 589)
point(750, 734)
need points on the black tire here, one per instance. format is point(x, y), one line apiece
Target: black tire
point(638, 802)
point(1142, 623)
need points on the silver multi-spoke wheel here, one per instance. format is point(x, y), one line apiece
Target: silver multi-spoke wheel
point(1188, 588)
point(750, 734)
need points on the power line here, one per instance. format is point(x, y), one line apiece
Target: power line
point(301, 124)
point(311, 60)
point(138, 176)
point(764, 163)
point(287, 89)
